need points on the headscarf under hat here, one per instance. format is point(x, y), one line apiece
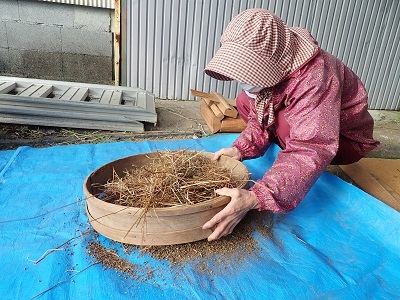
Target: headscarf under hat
point(259, 49)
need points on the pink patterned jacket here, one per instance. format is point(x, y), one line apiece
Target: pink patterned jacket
point(322, 100)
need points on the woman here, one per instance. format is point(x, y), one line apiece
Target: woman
point(296, 95)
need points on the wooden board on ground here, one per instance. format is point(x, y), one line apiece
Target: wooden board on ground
point(378, 177)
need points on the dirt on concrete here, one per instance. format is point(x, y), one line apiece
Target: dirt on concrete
point(387, 131)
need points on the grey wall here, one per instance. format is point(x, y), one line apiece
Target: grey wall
point(169, 42)
point(55, 41)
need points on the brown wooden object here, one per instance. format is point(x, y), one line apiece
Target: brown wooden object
point(216, 111)
point(212, 97)
point(219, 112)
point(233, 124)
point(212, 121)
point(214, 108)
point(378, 177)
point(160, 226)
point(224, 106)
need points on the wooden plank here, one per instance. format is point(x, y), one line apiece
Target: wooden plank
point(71, 123)
point(200, 94)
point(7, 86)
point(217, 112)
point(233, 124)
point(221, 99)
point(211, 120)
point(37, 90)
point(211, 97)
point(361, 176)
point(385, 171)
point(208, 101)
point(75, 94)
point(232, 112)
point(224, 106)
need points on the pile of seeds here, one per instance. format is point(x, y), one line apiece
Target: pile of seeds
point(169, 179)
point(110, 258)
point(234, 247)
point(222, 253)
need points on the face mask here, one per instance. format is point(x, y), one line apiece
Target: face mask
point(249, 88)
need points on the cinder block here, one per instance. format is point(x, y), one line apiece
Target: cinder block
point(88, 68)
point(47, 13)
point(5, 66)
point(33, 37)
point(3, 35)
point(36, 64)
point(86, 42)
point(9, 10)
point(55, 41)
point(92, 18)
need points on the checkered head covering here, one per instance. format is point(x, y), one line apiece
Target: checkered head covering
point(259, 49)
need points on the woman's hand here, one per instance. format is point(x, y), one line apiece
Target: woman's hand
point(225, 221)
point(231, 152)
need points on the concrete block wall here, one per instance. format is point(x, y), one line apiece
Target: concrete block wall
point(56, 41)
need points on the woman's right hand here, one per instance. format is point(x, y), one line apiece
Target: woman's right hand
point(231, 152)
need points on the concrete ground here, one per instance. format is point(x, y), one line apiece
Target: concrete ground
point(387, 131)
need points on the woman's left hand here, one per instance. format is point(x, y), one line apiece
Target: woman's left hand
point(225, 221)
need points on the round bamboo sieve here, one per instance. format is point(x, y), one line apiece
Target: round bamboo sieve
point(161, 226)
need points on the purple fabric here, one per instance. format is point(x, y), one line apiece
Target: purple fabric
point(322, 105)
point(346, 154)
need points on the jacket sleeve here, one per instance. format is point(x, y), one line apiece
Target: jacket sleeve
point(313, 114)
point(253, 140)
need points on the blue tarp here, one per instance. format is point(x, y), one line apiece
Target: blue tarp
point(339, 243)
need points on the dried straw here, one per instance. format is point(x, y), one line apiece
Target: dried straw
point(171, 178)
